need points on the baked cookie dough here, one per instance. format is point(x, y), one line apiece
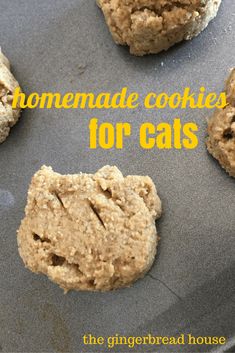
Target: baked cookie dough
point(221, 130)
point(150, 26)
point(90, 232)
point(8, 116)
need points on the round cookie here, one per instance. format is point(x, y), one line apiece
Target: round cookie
point(90, 232)
point(150, 26)
point(221, 141)
point(221, 130)
point(8, 116)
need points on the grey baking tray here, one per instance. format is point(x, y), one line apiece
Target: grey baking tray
point(64, 45)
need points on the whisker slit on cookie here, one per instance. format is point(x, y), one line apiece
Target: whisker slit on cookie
point(96, 212)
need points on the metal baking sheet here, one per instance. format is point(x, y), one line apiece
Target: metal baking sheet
point(62, 46)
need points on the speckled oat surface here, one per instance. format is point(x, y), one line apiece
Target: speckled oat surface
point(91, 232)
point(64, 45)
point(8, 116)
point(221, 130)
point(150, 26)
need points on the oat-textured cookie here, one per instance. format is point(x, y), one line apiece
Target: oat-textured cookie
point(8, 116)
point(150, 26)
point(221, 130)
point(90, 232)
